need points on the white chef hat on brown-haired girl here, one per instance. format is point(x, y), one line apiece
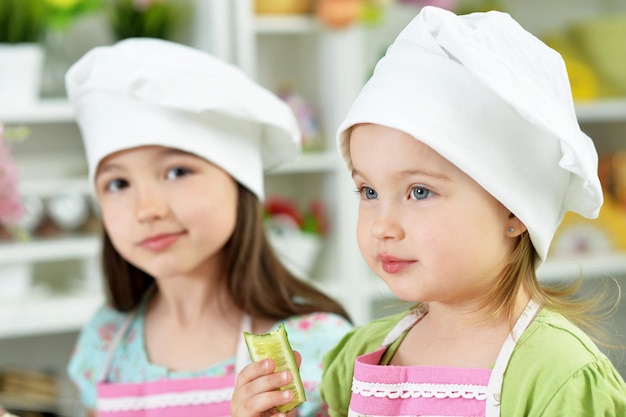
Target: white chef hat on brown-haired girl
point(153, 92)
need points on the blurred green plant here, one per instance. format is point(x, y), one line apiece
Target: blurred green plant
point(147, 18)
point(61, 14)
point(471, 6)
point(28, 20)
point(22, 20)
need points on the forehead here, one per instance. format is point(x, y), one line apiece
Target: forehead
point(369, 142)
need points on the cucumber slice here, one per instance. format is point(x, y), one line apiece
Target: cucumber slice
point(275, 345)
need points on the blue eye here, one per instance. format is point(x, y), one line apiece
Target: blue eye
point(176, 172)
point(116, 185)
point(420, 193)
point(368, 193)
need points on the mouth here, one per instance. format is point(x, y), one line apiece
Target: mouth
point(393, 265)
point(160, 242)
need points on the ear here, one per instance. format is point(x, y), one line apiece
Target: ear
point(514, 226)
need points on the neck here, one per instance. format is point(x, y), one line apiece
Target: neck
point(459, 320)
point(186, 302)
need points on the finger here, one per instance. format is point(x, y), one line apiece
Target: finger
point(298, 357)
point(255, 370)
point(260, 396)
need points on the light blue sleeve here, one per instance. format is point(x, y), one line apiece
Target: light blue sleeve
point(313, 335)
point(85, 368)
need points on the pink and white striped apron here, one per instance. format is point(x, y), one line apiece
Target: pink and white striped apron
point(188, 397)
point(386, 390)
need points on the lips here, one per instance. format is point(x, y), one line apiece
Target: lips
point(392, 265)
point(160, 242)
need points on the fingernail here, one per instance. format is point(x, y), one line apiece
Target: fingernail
point(285, 376)
point(266, 364)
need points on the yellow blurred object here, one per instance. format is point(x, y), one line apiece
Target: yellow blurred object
point(602, 40)
point(583, 80)
point(283, 6)
point(63, 4)
point(577, 235)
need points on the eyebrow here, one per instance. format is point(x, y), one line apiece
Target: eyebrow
point(411, 172)
point(164, 152)
point(103, 169)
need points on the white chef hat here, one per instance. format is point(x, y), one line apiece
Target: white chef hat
point(153, 92)
point(496, 102)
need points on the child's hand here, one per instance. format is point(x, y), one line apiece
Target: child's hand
point(256, 391)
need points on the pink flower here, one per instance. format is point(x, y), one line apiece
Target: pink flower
point(11, 208)
point(304, 325)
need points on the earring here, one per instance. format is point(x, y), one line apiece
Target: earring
point(511, 230)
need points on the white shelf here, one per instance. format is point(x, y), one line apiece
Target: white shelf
point(277, 24)
point(604, 110)
point(46, 314)
point(66, 247)
point(51, 187)
point(587, 267)
point(310, 162)
point(57, 110)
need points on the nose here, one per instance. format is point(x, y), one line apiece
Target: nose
point(386, 224)
point(150, 205)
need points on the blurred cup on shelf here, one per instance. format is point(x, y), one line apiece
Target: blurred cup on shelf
point(69, 212)
point(297, 250)
point(34, 214)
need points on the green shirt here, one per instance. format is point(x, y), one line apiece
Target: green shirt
point(555, 370)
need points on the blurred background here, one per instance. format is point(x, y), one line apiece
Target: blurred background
point(316, 54)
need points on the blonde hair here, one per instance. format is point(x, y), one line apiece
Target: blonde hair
point(588, 313)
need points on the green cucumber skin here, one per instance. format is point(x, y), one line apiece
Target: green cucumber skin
point(278, 336)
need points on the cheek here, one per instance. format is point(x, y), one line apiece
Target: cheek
point(363, 232)
point(115, 226)
point(217, 211)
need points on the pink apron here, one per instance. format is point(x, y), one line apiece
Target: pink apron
point(188, 397)
point(384, 390)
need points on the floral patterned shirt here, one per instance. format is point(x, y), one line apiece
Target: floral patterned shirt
point(312, 335)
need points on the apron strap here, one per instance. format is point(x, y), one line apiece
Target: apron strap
point(494, 388)
point(405, 323)
point(242, 357)
point(130, 318)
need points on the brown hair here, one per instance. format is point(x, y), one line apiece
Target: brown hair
point(520, 272)
point(257, 281)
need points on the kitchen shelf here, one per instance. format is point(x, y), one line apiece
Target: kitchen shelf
point(310, 162)
point(52, 187)
point(587, 266)
point(602, 110)
point(46, 313)
point(55, 110)
point(277, 24)
point(50, 249)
